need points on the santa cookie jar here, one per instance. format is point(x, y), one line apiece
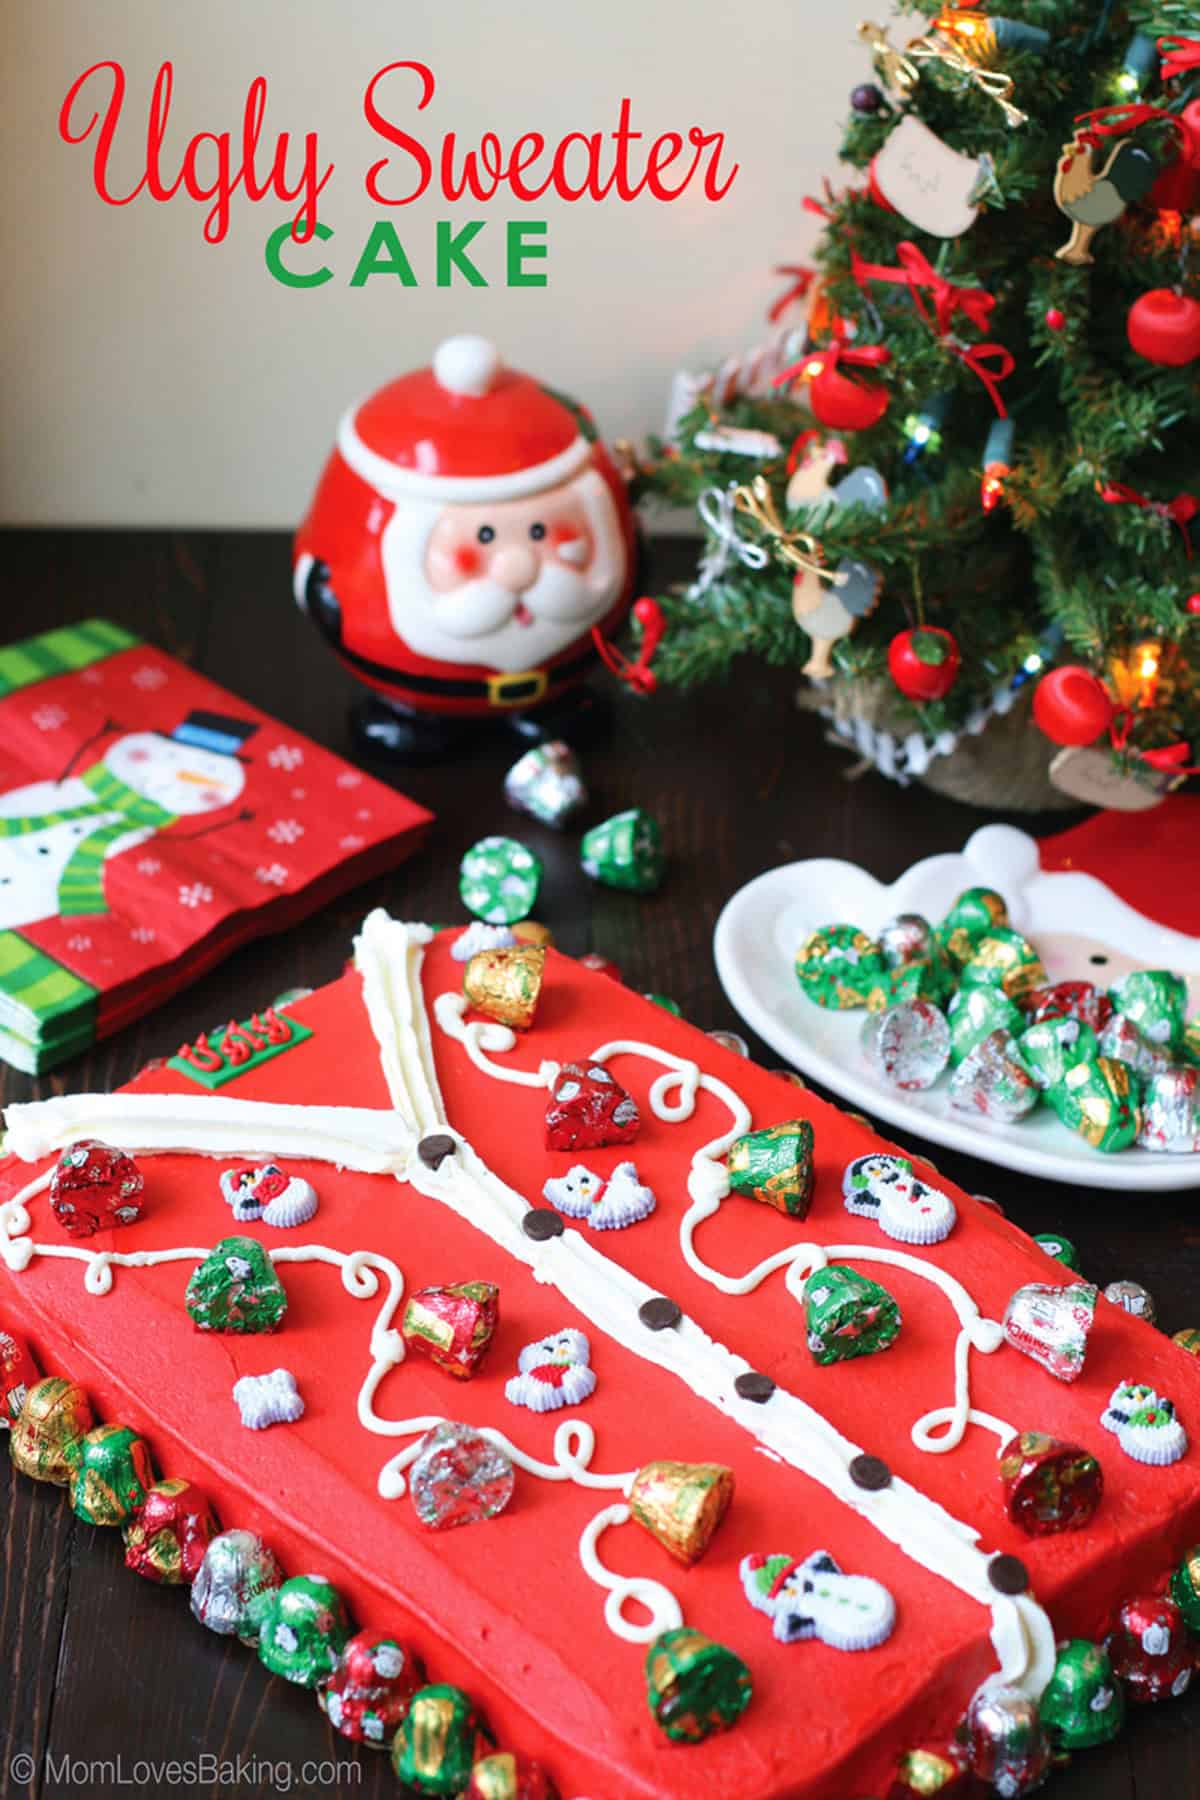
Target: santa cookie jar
point(468, 536)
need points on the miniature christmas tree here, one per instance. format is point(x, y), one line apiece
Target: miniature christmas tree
point(975, 467)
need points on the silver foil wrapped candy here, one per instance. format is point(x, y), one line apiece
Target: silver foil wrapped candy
point(907, 1046)
point(547, 783)
point(237, 1568)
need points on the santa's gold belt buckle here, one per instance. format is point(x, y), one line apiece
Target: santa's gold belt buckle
point(517, 690)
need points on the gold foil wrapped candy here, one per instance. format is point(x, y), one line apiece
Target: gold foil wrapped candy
point(49, 1429)
point(681, 1504)
point(505, 984)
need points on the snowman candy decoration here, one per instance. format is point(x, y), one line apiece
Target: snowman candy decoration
point(468, 535)
point(57, 837)
point(814, 1598)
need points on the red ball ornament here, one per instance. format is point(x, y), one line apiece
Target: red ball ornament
point(1164, 327)
point(1193, 603)
point(1056, 318)
point(838, 401)
point(924, 663)
point(1071, 705)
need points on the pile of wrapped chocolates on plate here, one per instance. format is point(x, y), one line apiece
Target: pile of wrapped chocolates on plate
point(970, 995)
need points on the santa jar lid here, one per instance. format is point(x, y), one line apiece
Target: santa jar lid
point(468, 428)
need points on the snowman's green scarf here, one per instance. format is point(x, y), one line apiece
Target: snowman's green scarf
point(81, 885)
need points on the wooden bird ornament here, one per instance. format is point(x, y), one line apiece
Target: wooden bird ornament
point(828, 606)
point(1093, 188)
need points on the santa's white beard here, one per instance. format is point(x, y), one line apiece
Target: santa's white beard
point(483, 623)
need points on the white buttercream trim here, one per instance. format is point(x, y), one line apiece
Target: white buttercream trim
point(369, 1142)
point(397, 483)
point(664, 1609)
point(479, 1036)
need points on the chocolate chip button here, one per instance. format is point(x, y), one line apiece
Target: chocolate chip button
point(870, 1473)
point(434, 1150)
point(753, 1386)
point(541, 1224)
point(1008, 1575)
point(659, 1314)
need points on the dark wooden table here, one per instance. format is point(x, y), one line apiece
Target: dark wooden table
point(97, 1666)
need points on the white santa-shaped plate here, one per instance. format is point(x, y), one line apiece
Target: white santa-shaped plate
point(1083, 931)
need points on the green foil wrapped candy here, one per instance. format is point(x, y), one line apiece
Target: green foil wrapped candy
point(839, 966)
point(1185, 1588)
point(302, 1629)
point(440, 1741)
point(929, 979)
point(1006, 960)
point(1054, 1046)
point(1096, 1098)
point(236, 1289)
point(847, 1314)
point(975, 1013)
point(47, 1432)
point(775, 1165)
point(498, 880)
point(1084, 1703)
point(624, 852)
point(1059, 1247)
point(1155, 1001)
point(693, 1686)
point(112, 1476)
point(975, 913)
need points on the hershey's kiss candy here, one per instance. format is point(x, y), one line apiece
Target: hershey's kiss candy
point(681, 1504)
point(1083, 1704)
point(54, 1419)
point(94, 1188)
point(730, 1040)
point(112, 1475)
point(1171, 1112)
point(167, 1540)
point(302, 1629)
point(1006, 1744)
point(1151, 1650)
point(499, 880)
point(588, 1108)
point(907, 938)
point(439, 1742)
point(693, 1686)
point(18, 1373)
point(907, 1046)
point(459, 1477)
point(993, 1080)
point(368, 1695)
point(505, 984)
point(453, 1326)
point(1134, 1298)
point(625, 852)
point(547, 783)
point(1098, 1099)
point(847, 1314)
point(1185, 1588)
point(1122, 1039)
point(507, 1775)
point(1049, 1486)
point(1051, 1324)
point(236, 1569)
point(775, 1165)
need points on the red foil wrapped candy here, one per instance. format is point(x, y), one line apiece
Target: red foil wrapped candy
point(95, 1188)
point(453, 1326)
point(1151, 1650)
point(166, 1541)
point(1049, 1486)
point(1069, 1000)
point(18, 1373)
point(589, 1109)
point(367, 1696)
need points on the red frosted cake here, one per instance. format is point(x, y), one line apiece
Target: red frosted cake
point(831, 1367)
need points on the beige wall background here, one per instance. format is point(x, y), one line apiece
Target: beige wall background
point(150, 378)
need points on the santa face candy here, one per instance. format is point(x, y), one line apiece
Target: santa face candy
point(236, 1569)
point(839, 965)
point(48, 1431)
point(847, 1315)
point(625, 852)
point(547, 784)
point(505, 984)
point(681, 1504)
point(368, 1695)
point(236, 1289)
point(909, 1045)
point(588, 1108)
point(1051, 1324)
point(499, 881)
point(95, 1188)
point(167, 1540)
point(1084, 1704)
point(452, 1326)
point(1049, 1486)
point(693, 1686)
point(775, 1165)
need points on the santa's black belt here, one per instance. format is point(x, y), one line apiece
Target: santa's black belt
point(522, 689)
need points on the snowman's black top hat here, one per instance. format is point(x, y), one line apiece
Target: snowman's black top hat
point(214, 731)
